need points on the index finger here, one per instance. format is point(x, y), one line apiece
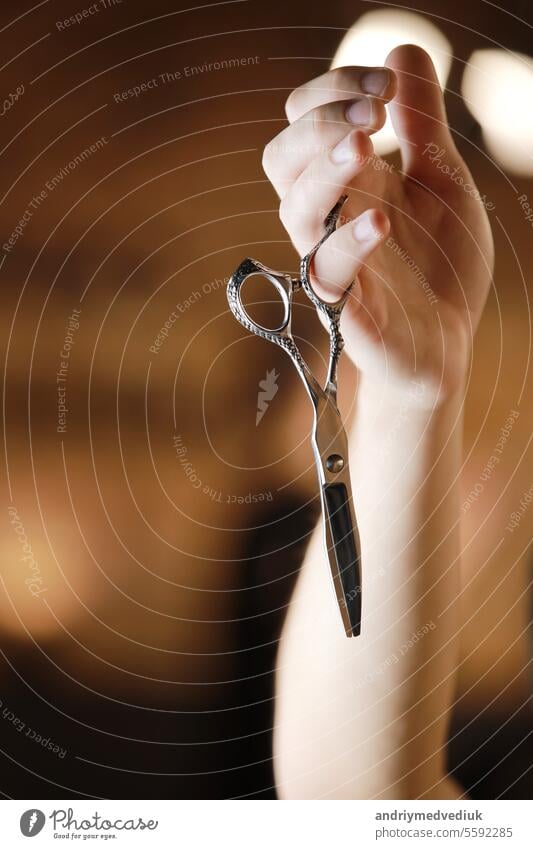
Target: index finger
point(340, 84)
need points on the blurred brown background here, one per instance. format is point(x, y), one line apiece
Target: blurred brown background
point(161, 528)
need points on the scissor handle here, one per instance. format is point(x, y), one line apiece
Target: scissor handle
point(332, 312)
point(284, 285)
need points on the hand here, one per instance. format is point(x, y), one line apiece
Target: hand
point(414, 243)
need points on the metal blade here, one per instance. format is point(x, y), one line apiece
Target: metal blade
point(344, 555)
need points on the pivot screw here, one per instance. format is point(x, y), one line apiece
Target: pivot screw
point(335, 463)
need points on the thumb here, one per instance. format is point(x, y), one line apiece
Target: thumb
point(418, 114)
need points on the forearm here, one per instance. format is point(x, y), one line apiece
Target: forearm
point(406, 463)
point(368, 716)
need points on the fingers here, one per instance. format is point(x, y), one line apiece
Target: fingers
point(340, 84)
point(418, 113)
point(339, 260)
point(287, 156)
point(303, 209)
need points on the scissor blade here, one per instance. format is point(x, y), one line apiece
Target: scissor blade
point(344, 555)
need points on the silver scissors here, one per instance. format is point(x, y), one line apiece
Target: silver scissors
point(329, 441)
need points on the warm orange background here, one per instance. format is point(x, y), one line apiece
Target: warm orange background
point(149, 657)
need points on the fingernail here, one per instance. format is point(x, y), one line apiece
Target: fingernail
point(375, 82)
point(359, 112)
point(344, 150)
point(363, 229)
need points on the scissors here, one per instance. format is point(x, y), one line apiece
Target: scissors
point(328, 438)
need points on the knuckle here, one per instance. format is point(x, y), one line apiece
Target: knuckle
point(343, 80)
point(290, 104)
point(285, 211)
point(267, 159)
point(318, 117)
point(273, 156)
point(314, 174)
point(325, 121)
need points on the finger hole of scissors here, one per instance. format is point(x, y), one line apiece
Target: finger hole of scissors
point(266, 302)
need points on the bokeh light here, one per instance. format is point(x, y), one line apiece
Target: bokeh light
point(498, 89)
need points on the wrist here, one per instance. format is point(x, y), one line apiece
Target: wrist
point(417, 398)
point(393, 430)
